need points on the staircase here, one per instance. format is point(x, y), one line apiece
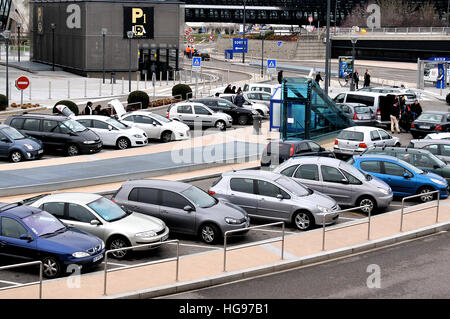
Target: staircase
point(310, 48)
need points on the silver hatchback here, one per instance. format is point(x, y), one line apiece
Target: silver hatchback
point(339, 180)
point(276, 197)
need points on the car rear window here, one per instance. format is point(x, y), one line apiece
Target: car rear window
point(351, 136)
point(430, 118)
point(362, 109)
point(367, 100)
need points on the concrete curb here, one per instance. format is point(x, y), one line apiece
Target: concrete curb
point(280, 266)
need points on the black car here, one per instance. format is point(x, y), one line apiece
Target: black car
point(203, 54)
point(57, 132)
point(430, 122)
point(240, 115)
point(287, 149)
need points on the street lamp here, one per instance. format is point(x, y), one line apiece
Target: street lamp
point(130, 36)
point(354, 40)
point(7, 34)
point(243, 44)
point(19, 25)
point(53, 26)
point(327, 53)
point(263, 35)
point(104, 30)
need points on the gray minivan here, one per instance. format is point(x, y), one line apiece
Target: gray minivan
point(339, 180)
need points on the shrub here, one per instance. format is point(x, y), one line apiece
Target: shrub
point(71, 105)
point(3, 102)
point(138, 96)
point(183, 90)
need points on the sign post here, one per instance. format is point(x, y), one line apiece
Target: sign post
point(22, 84)
point(196, 63)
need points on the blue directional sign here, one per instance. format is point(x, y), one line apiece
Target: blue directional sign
point(280, 44)
point(440, 83)
point(271, 64)
point(238, 45)
point(196, 62)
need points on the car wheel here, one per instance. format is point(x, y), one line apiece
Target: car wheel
point(209, 233)
point(366, 201)
point(220, 125)
point(16, 156)
point(425, 194)
point(116, 243)
point(261, 113)
point(123, 143)
point(166, 137)
point(73, 150)
point(304, 220)
point(397, 145)
point(242, 119)
point(51, 267)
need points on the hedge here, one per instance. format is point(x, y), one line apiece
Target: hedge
point(138, 96)
point(183, 90)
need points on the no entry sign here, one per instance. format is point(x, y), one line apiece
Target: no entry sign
point(191, 40)
point(22, 83)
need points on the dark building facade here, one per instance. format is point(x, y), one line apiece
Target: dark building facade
point(277, 11)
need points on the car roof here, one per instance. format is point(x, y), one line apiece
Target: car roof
point(159, 183)
point(365, 93)
point(376, 157)
point(79, 198)
point(42, 115)
point(93, 117)
point(435, 112)
point(403, 149)
point(20, 211)
point(317, 159)
point(361, 128)
point(213, 98)
point(253, 174)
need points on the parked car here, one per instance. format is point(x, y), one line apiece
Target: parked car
point(360, 114)
point(438, 147)
point(355, 140)
point(183, 207)
point(114, 132)
point(29, 233)
point(57, 133)
point(100, 216)
point(17, 147)
point(204, 54)
point(273, 196)
point(199, 114)
point(404, 178)
point(410, 95)
point(281, 151)
point(262, 109)
point(258, 97)
point(430, 122)
point(240, 115)
point(341, 181)
point(438, 136)
point(420, 158)
point(157, 126)
point(260, 87)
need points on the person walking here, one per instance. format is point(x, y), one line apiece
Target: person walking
point(416, 109)
point(239, 99)
point(366, 79)
point(356, 78)
point(318, 78)
point(395, 115)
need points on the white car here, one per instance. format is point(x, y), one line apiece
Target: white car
point(157, 126)
point(438, 136)
point(114, 132)
point(260, 87)
point(262, 109)
point(258, 97)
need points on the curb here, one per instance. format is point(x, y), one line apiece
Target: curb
point(280, 266)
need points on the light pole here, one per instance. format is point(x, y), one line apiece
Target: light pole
point(19, 25)
point(327, 50)
point(243, 33)
point(130, 36)
point(53, 26)
point(448, 11)
point(104, 30)
point(263, 35)
point(7, 35)
point(354, 40)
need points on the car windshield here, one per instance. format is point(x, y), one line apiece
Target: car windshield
point(43, 223)
point(117, 124)
point(11, 132)
point(411, 167)
point(199, 197)
point(108, 210)
point(351, 136)
point(353, 171)
point(160, 118)
point(74, 126)
point(294, 187)
point(362, 109)
point(437, 160)
point(430, 118)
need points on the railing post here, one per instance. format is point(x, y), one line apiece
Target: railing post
point(323, 233)
point(40, 279)
point(437, 208)
point(282, 243)
point(106, 272)
point(401, 218)
point(368, 227)
point(178, 261)
point(225, 252)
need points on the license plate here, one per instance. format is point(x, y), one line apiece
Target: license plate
point(425, 127)
point(97, 258)
point(164, 238)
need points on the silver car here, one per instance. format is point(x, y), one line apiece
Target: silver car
point(438, 147)
point(360, 114)
point(183, 207)
point(273, 196)
point(355, 140)
point(339, 180)
point(103, 218)
point(194, 114)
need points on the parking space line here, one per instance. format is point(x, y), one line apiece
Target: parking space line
point(199, 246)
point(10, 282)
point(359, 215)
point(277, 251)
point(275, 231)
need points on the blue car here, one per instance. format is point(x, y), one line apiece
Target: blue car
point(17, 147)
point(404, 178)
point(29, 233)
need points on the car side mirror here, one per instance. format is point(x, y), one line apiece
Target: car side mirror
point(188, 208)
point(322, 149)
point(154, 123)
point(26, 237)
point(344, 181)
point(95, 222)
point(406, 175)
point(5, 140)
point(280, 197)
point(436, 166)
point(110, 127)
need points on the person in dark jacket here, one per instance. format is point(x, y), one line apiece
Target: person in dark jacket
point(367, 78)
point(416, 109)
point(395, 115)
point(233, 90)
point(406, 118)
point(318, 78)
point(88, 109)
point(228, 89)
point(356, 78)
point(239, 99)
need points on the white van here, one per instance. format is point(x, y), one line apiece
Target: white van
point(260, 87)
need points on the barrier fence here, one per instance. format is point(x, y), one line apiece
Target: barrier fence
point(29, 284)
point(420, 209)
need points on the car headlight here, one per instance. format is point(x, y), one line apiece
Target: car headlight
point(89, 142)
point(384, 191)
point(28, 146)
point(137, 136)
point(323, 209)
point(146, 234)
point(103, 245)
point(439, 182)
point(231, 220)
point(80, 254)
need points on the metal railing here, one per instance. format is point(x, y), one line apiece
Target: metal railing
point(170, 242)
point(420, 209)
point(345, 226)
point(392, 30)
point(256, 244)
point(38, 262)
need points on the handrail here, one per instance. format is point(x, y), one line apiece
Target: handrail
point(257, 244)
point(177, 258)
point(419, 209)
point(23, 265)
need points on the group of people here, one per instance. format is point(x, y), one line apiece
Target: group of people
point(239, 99)
point(90, 110)
point(402, 114)
point(355, 76)
point(189, 51)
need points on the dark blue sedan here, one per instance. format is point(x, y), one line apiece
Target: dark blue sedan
point(32, 234)
point(17, 147)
